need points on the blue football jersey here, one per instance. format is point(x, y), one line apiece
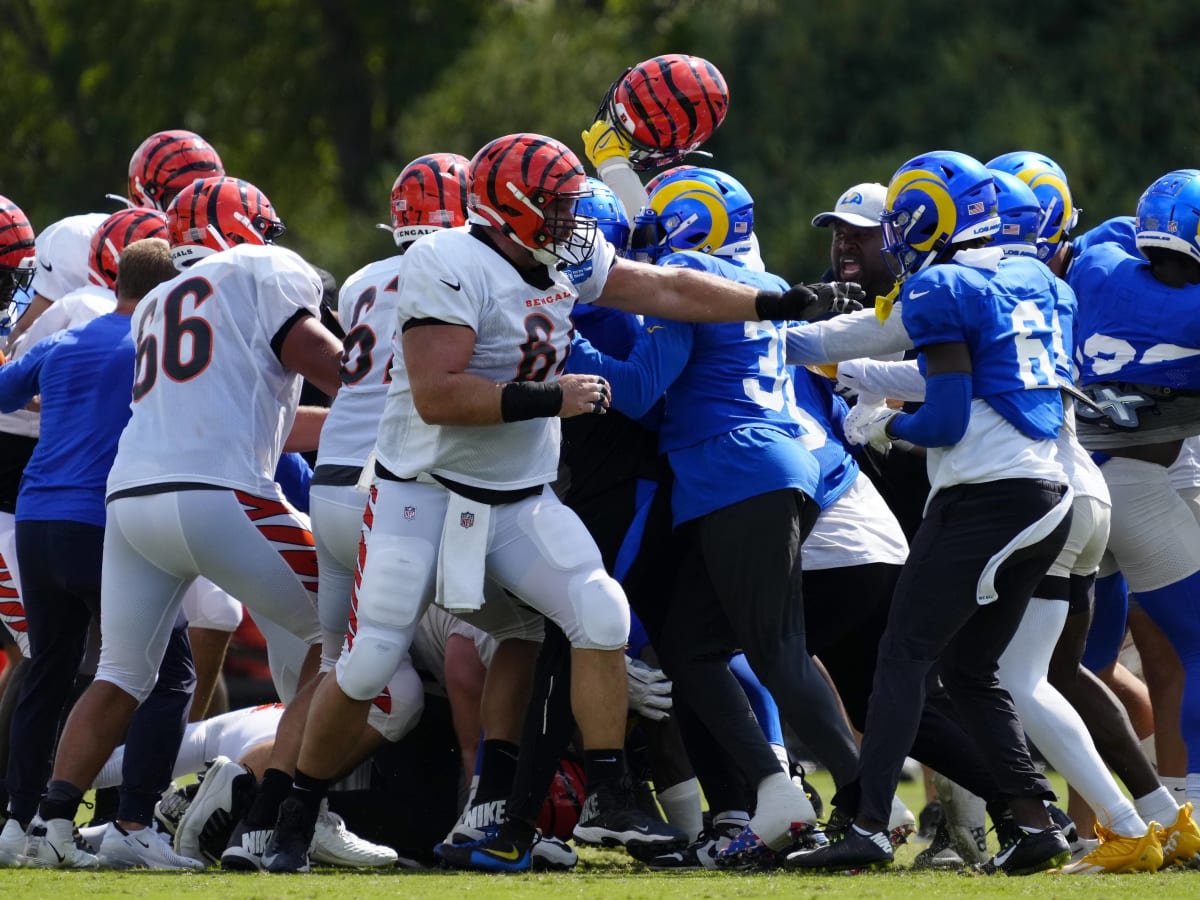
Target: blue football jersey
point(1119, 230)
point(730, 425)
point(1131, 327)
point(822, 412)
point(1006, 318)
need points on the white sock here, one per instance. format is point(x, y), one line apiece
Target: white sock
point(681, 803)
point(781, 754)
point(780, 803)
point(1160, 805)
point(731, 817)
point(1193, 789)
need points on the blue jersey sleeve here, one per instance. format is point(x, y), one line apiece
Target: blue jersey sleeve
point(930, 308)
point(19, 377)
point(658, 356)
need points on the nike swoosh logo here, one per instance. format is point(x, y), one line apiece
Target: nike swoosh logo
point(56, 853)
point(49, 267)
point(654, 328)
point(453, 285)
point(511, 855)
point(915, 294)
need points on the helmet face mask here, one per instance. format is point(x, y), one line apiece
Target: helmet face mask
point(699, 209)
point(17, 259)
point(528, 186)
point(1168, 214)
point(666, 107)
point(934, 201)
point(430, 193)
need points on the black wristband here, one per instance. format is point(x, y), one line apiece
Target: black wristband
point(769, 307)
point(523, 400)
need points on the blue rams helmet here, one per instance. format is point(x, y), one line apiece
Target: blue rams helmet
point(1168, 214)
point(1049, 184)
point(1020, 215)
point(605, 207)
point(696, 209)
point(935, 200)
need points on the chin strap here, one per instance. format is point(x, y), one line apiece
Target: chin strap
point(884, 304)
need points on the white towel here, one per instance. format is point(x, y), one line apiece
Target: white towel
point(367, 476)
point(985, 589)
point(462, 555)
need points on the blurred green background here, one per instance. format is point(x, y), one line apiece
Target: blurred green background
point(321, 102)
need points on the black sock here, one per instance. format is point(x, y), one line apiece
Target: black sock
point(276, 785)
point(310, 792)
point(518, 831)
point(61, 801)
point(603, 768)
point(497, 769)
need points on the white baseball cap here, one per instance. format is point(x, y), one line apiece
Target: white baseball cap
point(861, 206)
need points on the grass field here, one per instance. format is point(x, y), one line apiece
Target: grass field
point(601, 874)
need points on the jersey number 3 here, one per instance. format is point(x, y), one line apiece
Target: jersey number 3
point(186, 341)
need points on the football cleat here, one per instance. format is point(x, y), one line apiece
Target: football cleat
point(1181, 840)
point(549, 854)
point(1120, 853)
point(611, 817)
point(12, 844)
point(1032, 852)
point(700, 853)
point(491, 853)
point(244, 853)
point(287, 850)
point(205, 825)
point(333, 845)
point(477, 821)
point(174, 804)
point(855, 852)
point(940, 854)
point(56, 844)
point(901, 823)
point(143, 849)
point(929, 820)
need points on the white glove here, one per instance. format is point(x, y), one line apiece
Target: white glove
point(867, 424)
point(849, 384)
point(649, 690)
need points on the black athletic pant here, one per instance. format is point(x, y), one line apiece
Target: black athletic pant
point(60, 585)
point(936, 616)
point(739, 587)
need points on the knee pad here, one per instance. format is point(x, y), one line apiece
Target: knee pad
point(397, 580)
point(371, 660)
point(398, 707)
point(601, 611)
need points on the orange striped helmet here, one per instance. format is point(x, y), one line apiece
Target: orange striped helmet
point(215, 214)
point(429, 193)
point(166, 163)
point(116, 233)
point(526, 185)
point(667, 106)
point(16, 250)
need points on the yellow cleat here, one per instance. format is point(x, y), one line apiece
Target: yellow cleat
point(1119, 853)
point(1181, 841)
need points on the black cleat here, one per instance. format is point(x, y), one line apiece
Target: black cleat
point(287, 850)
point(611, 818)
point(1036, 852)
point(855, 852)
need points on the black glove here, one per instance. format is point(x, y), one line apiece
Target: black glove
point(810, 301)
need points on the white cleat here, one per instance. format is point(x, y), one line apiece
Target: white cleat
point(214, 797)
point(333, 845)
point(56, 845)
point(901, 823)
point(12, 844)
point(142, 849)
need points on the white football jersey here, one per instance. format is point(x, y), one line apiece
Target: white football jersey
point(212, 403)
point(367, 305)
point(522, 333)
point(75, 308)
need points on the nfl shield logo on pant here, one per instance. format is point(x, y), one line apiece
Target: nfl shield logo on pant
point(467, 519)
